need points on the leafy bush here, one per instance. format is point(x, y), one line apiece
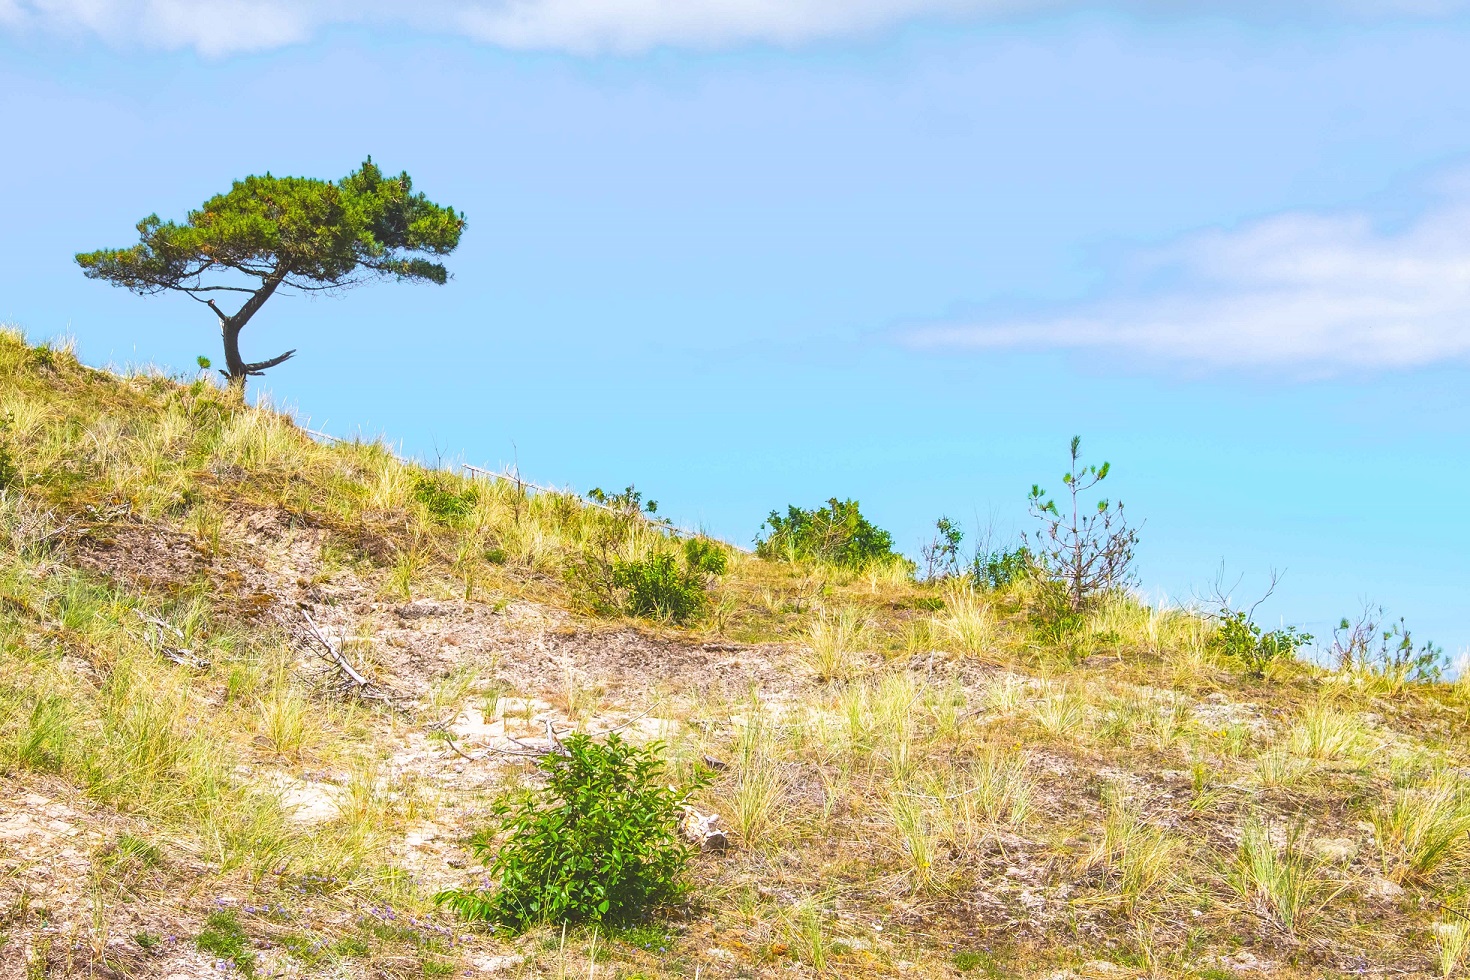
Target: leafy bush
point(657, 587)
point(599, 842)
point(838, 534)
point(1001, 568)
point(703, 555)
point(630, 500)
point(1238, 638)
point(444, 504)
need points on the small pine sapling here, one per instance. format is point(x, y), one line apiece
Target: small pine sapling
point(1089, 552)
point(942, 554)
point(1366, 645)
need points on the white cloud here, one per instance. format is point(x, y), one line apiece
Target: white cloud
point(1297, 292)
point(218, 27)
point(215, 27)
point(636, 25)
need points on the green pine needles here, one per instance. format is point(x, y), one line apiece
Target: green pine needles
point(268, 233)
point(599, 842)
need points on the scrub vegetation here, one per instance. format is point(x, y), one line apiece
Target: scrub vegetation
point(263, 698)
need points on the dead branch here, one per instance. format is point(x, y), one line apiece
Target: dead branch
point(1220, 596)
point(553, 746)
point(351, 679)
point(527, 753)
point(630, 722)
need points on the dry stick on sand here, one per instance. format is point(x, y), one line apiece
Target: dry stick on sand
point(526, 751)
point(553, 741)
point(351, 679)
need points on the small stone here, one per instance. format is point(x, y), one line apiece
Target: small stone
point(1335, 850)
point(498, 964)
point(1383, 890)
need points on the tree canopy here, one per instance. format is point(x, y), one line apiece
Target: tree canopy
point(285, 232)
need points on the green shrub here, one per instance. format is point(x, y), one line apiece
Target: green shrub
point(657, 587)
point(1001, 568)
point(838, 534)
point(629, 501)
point(1240, 639)
point(704, 555)
point(599, 842)
point(445, 504)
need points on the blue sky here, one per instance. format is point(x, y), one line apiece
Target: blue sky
point(747, 254)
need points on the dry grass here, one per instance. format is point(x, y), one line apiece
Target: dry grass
point(1137, 858)
point(969, 624)
point(1279, 878)
point(1424, 828)
point(939, 797)
point(833, 641)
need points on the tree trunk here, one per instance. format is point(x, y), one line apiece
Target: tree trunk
point(237, 369)
point(234, 365)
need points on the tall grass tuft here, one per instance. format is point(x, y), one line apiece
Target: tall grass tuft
point(1283, 884)
point(970, 622)
point(760, 783)
point(833, 639)
point(1136, 857)
point(1425, 828)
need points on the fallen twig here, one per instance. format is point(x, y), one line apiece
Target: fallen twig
point(351, 677)
point(529, 753)
point(630, 722)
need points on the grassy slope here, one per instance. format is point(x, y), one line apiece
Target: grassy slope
point(918, 779)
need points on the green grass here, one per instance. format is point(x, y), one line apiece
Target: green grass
point(881, 748)
point(223, 936)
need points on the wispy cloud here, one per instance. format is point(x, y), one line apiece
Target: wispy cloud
point(220, 27)
point(1303, 293)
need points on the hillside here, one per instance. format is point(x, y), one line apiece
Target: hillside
point(917, 779)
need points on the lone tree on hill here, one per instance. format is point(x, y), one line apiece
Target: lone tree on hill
point(291, 232)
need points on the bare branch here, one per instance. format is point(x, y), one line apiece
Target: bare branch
point(363, 687)
point(1270, 588)
point(260, 366)
point(215, 289)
